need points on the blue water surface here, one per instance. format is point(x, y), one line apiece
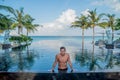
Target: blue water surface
point(40, 55)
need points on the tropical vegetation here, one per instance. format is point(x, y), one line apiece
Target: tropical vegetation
point(16, 20)
point(81, 22)
point(91, 21)
point(20, 39)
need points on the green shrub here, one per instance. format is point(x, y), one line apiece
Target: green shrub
point(20, 39)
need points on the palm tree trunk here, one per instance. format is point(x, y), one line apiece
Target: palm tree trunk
point(103, 35)
point(6, 36)
point(27, 32)
point(112, 35)
point(93, 44)
point(18, 29)
point(28, 51)
point(27, 36)
point(82, 40)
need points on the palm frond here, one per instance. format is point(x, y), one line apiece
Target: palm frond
point(103, 24)
point(7, 8)
point(14, 25)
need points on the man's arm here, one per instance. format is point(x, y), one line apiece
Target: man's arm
point(54, 64)
point(70, 64)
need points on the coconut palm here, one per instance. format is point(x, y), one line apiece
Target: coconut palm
point(18, 18)
point(94, 21)
point(5, 23)
point(82, 23)
point(3, 18)
point(111, 23)
point(28, 23)
point(103, 25)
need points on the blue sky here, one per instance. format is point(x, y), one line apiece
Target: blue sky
point(56, 15)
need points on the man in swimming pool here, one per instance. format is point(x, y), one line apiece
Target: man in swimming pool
point(62, 59)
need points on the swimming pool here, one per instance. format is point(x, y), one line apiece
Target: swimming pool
point(40, 55)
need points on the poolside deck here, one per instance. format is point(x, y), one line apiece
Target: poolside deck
point(60, 76)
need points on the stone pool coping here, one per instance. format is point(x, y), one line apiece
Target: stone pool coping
point(60, 76)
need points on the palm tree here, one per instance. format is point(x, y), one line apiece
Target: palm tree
point(3, 18)
point(5, 23)
point(103, 25)
point(111, 23)
point(28, 22)
point(82, 23)
point(94, 21)
point(18, 18)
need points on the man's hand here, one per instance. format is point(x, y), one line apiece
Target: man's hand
point(71, 70)
point(52, 71)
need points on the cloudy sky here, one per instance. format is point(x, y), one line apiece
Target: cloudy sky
point(57, 15)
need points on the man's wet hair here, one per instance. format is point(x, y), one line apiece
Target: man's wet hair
point(62, 48)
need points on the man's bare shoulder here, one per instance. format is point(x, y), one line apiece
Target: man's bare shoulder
point(57, 55)
point(67, 54)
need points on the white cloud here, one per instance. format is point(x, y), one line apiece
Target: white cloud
point(114, 4)
point(60, 25)
point(67, 17)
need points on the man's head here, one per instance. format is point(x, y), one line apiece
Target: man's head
point(62, 51)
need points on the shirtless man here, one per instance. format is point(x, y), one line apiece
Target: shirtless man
point(62, 58)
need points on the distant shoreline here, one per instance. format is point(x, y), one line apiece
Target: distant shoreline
point(60, 36)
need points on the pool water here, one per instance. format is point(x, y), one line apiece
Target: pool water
point(40, 55)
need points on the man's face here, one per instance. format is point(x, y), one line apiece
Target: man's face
point(62, 52)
